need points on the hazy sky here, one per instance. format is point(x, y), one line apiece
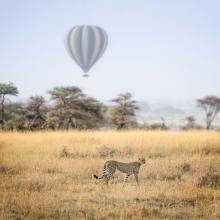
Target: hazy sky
point(157, 49)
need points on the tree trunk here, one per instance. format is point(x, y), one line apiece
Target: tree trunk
point(2, 111)
point(208, 124)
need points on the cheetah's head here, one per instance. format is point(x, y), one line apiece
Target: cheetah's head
point(142, 160)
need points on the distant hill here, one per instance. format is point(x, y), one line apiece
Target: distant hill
point(158, 109)
point(173, 112)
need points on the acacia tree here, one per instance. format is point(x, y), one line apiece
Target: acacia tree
point(190, 123)
point(73, 109)
point(123, 114)
point(35, 113)
point(6, 89)
point(211, 106)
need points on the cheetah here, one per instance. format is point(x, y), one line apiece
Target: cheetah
point(128, 168)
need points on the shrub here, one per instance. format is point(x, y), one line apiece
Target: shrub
point(9, 170)
point(35, 186)
point(210, 150)
point(184, 168)
point(209, 179)
point(105, 151)
point(63, 153)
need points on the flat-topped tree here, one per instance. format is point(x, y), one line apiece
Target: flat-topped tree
point(64, 94)
point(211, 106)
point(123, 113)
point(73, 109)
point(6, 89)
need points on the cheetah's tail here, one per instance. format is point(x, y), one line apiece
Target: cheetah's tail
point(95, 176)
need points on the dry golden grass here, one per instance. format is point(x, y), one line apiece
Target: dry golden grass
point(48, 175)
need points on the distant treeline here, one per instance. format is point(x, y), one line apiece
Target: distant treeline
point(70, 108)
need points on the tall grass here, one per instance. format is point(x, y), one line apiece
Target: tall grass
point(48, 175)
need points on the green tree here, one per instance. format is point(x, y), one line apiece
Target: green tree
point(15, 116)
point(123, 113)
point(211, 106)
point(73, 109)
point(6, 89)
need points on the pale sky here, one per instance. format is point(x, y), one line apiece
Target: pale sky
point(158, 49)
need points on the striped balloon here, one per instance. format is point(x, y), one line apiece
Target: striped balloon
point(86, 44)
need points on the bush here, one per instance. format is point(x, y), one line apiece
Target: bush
point(184, 168)
point(9, 124)
point(9, 170)
point(63, 153)
point(210, 150)
point(209, 179)
point(105, 151)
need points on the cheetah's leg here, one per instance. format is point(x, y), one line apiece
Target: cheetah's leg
point(108, 176)
point(126, 178)
point(136, 178)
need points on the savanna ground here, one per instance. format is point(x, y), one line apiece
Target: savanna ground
point(48, 175)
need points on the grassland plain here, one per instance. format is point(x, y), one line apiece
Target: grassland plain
point(48, 175)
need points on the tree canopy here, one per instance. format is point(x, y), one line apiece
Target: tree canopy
point(211, 106)
point(123, 113)
point(6, 89)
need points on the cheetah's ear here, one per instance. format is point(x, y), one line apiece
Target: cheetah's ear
point(142, 160)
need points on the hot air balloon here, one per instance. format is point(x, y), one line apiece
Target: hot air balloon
point(86, 44)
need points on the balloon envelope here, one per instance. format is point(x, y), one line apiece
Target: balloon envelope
point(86, 44)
